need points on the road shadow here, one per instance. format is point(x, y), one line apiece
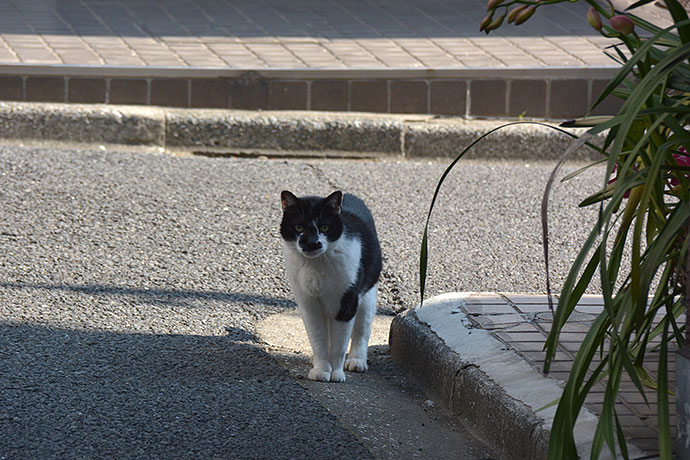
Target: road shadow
point(172, 297)
point(303, 20)
point(91, 394)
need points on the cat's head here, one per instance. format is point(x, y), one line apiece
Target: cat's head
point(311, 223)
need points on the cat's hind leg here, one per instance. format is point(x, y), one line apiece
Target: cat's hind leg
point(357, 357)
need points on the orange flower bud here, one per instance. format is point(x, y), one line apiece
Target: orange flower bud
point(496, 23)
point(493, 4)
point(485, 22)
point(594, 19)
point(514, 12)
point(525, 15)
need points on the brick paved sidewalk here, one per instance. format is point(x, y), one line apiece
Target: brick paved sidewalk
point(300, 34)
point(399, 56)
point(523, 321)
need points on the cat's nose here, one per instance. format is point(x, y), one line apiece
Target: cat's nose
point(315, 246)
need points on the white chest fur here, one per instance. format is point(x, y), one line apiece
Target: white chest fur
point(326, 276)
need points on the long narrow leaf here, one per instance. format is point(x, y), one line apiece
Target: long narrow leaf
point(567, 301)
point(638, 4)
point(665, 451)
point(423, 265)
point(574, 146)
point(629, 66)
point(583, 169)
point(679, 15)
point(561, 441)
point(622, 445)
point(423, 262)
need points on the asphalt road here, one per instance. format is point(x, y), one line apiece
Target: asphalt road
point(131, 285)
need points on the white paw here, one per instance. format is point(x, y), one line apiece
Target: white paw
point(356, 365)
point(337, 376)
point(319, 375)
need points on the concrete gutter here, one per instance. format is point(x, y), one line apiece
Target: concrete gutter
point(323, 134)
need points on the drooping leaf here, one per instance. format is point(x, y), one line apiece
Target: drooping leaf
point(423, 261)
point(679, 17)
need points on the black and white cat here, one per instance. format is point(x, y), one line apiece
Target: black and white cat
point(333, 263)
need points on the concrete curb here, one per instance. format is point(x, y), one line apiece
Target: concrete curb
point(466, 391)
point(131, 125)
point(522, 141)
point(294, 132)
point(480, 381)
point(322, 134)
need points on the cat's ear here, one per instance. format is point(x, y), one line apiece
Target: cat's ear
point(334, 201)
point(289, 201)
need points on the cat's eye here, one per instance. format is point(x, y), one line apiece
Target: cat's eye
point(323, 228)
point(299, 228)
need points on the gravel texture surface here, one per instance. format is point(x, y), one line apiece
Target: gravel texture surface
point(130, 286)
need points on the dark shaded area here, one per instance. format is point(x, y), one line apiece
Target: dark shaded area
point(81, 394)
point(268, 18)
point(157, 296)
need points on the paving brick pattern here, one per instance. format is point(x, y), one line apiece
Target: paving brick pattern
point(395, 56)
point(299, 34)
point(523, 322)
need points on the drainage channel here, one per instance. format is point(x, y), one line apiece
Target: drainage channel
point(277, 154)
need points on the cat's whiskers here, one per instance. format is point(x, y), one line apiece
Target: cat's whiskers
point(329, 262)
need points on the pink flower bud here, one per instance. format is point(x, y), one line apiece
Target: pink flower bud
point(627, 192)
point(594, 19)
point(683, 160)
point(622, 24)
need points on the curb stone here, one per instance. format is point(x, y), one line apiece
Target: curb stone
point(483, 383)
point(233, 131)
point(524, 141)
point(323, 134)
point(465, 390)
point(131, 125)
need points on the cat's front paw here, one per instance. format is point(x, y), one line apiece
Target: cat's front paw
point(356, 365)
point(337, 376)
point(319, 375)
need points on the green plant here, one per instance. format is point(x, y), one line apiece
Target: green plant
point(644, 212)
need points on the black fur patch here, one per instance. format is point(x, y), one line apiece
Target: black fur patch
point(359, 222)
point(305, 212)
point(340, 214)
point(348, 305)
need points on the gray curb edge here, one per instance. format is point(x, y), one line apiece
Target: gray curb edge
point(484, 383)
point(506, 424)
point(324, 134)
